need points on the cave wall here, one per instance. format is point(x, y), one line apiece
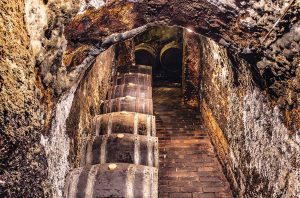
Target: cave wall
point(190, 68)
point(87, 101)
point(91, 93)
point(258, 152)
point(35, 87)
point(23, 166)
point(40, 68)
point(263, 32)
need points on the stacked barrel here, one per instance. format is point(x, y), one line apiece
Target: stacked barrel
point(121, 159)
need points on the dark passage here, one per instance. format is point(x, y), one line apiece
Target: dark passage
point(188, 166)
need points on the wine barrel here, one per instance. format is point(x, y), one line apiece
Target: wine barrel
point(133, 78)
point(141, 69)
point(120, 148)
point(112, 180)
point(133, 90)
point(124, 122)
point(132, 104)
point(145, 54)
point(171, 57)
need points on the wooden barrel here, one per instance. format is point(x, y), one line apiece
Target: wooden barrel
point(171, 57)
point(112, 180)
point(120, 148)
point(131, 104)
point(133, 90)
point(145, 54)
point(124, 122)
point(140, 69)
point(133, 78)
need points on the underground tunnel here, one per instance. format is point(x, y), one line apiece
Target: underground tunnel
point(149, 99)
point(147, 130)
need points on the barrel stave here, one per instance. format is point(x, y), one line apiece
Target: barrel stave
point(120, 148)
point(125, 180)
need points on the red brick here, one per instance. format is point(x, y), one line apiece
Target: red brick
point(180, 195)
point(204, 195)
point(188, 162)
point(214, 189)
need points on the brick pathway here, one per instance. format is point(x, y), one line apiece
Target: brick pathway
point(188, 166)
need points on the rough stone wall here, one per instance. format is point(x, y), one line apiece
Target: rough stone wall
point(45, 22)
point(40, 73)
point(87, 101)
point(72, 119)
point(263, 32)
point(191, 69)
point(259, 153)
point(32, 79)
point(22, 159)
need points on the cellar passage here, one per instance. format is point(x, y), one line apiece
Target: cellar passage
point(188, 166)
point(54, 76)
point(161, 47)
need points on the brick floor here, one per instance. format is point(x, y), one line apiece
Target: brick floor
point(188, 167)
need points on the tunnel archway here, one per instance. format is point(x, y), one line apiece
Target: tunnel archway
point(145, 55)
point(234, 38)
point(242, 26)
point(171, 57)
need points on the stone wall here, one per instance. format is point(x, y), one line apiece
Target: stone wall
point(22, 159)
point(259, 154)
point(32, 80)
point(40, 72)
point(190, 69)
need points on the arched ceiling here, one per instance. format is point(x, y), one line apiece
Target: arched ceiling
point(266, 33)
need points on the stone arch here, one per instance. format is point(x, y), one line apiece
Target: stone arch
point(117, 21)
point(233, 24)
point(219, 22)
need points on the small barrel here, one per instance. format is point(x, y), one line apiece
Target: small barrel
point(140, 69)
point(124, 122)
point(112, 180)
point(171, 57)
point(120, 148)
point(132, 78)
point(133, 90)
point(131, 104)
point(145, 54)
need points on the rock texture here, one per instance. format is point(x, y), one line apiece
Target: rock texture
point(42, 62)
point(32, 78)
point(259, 153)
point(191, 70)
point(87, 101)
point(22, 159)
point(269, 42)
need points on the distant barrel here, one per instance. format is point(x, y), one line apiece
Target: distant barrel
point(171, 57)
point(132, 78)
point(120, 148)
point(137, 69)
point(124, 122)
point(128, 103)
point(145, 54)
point(133, 90)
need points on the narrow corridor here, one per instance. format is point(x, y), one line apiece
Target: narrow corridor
point(188, 167)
